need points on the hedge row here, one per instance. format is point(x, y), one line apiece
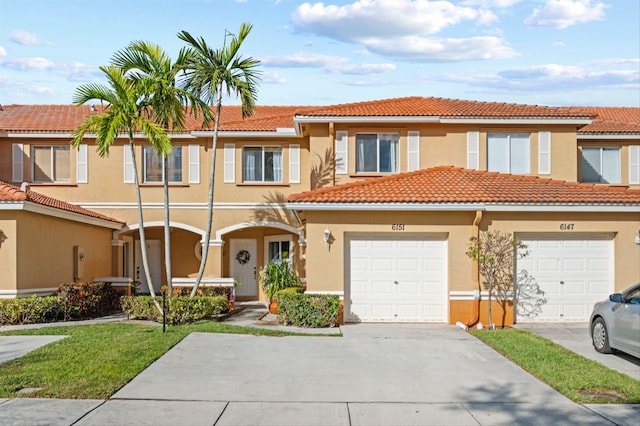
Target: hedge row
point(308, 310)
point(179, 309)
point(72, 302)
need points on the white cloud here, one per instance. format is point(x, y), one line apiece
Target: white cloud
point(550, 77)
point(2, 52)
point(362, 69)
point(76, 71)
point(301, 60)
point(420, 49)
point(26, 38)
point(27, 64)
point(565, 13)
point(501, 4)
point(617, 61)
point(372, 19)
point(400, 29)
point(273, 77)
point(333, 64)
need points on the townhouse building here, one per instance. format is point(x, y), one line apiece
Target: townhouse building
point(373, 201)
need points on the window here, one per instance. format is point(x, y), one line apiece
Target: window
point(262, 164)
point(601, 165)
point(153, 171)
point(278, 249)
point(377, 152)
point(508, 153)
point(51, 163)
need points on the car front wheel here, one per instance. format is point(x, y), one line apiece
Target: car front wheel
point(600, 336)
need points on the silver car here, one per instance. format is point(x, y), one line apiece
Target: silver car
point(615, 323)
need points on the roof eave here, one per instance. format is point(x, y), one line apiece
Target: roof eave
point(511, 207)
point(280, 132)
point(33, 207)
point(606, 136)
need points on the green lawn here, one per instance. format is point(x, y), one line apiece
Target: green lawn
point(578, 378)
point(97, 360)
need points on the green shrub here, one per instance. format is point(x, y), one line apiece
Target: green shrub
point(31, 310)
point(308, 310)
point(179, 309)
point(87, 300)
point(291, 290)
point(203, 290)
point(277, 276)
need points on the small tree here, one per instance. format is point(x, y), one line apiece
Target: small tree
point(495, 252)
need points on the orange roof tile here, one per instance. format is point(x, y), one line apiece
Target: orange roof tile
point(449, 185)
point(613, 120)
point(65, 118)
point(12, 193)
point(442, 107)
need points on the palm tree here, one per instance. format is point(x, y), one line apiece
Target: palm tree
point(124, 112)
point(208, 72)
point(149, 65)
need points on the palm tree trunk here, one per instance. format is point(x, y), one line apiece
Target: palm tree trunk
point(143, 239)
point(490, 301)
point(205, 247)
point(167, 226)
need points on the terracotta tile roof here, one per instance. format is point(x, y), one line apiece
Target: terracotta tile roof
point(446, 184)
point(9, 193)
point(442, 107)
point(65, 118)
point(613, 120)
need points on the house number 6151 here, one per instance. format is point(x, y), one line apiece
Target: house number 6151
point(397, 227)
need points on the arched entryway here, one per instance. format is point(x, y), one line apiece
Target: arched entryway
point(249, 246)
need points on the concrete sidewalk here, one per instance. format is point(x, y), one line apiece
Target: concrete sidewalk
point(376, 374)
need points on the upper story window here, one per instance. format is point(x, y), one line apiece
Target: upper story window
point(262, 164)
point(51, 163)
point(600, 165)
point(153, 170)
point(508, 153)
point(377, 152)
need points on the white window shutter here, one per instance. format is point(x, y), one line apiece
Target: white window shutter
point(413, 150)
point(544, 153)
point(17, 170)
point(82, 165)
point(128, 165)
point(342, 153)
point(634, 165)
point(194, 163)
point(229, 163)
point(473, 150)
point(294, 163)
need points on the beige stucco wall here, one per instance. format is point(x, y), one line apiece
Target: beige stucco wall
point(45, 250)
point(326, 264)
point(446, 144)
point(8, 254)
point(622, 226)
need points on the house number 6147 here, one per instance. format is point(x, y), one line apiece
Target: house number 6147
point(566, 226)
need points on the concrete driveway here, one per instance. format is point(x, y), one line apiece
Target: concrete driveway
point(391, 374)
point(375, 374)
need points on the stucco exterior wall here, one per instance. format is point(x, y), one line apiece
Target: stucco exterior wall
point(8, 251)
point(326, 263)
point(45, 250)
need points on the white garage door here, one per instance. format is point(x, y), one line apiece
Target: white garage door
point(573, 271)
point(397, 280)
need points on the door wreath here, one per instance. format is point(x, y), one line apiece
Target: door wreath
point(243, 257)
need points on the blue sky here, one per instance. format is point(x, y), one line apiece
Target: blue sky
point(550, 52)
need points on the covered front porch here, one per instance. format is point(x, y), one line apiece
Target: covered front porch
point(236, 255)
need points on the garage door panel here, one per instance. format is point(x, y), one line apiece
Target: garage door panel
point(382, 288)
point(405, 280)
point(574, 271)
point(573, 265)
point(382, 312)
point(409, 264)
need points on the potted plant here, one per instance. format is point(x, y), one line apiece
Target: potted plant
point(277, 276)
